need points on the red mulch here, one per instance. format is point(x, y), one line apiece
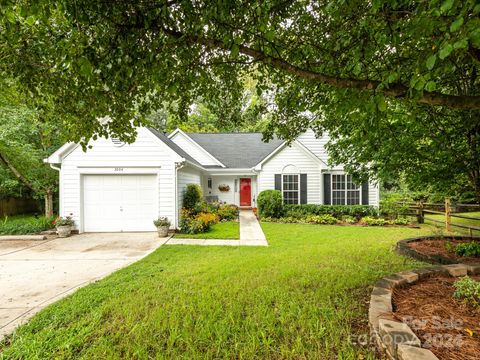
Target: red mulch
point(439, 319)
point(438, 247)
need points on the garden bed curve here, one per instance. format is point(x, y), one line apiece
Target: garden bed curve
point(394, 338)
point(411, 247)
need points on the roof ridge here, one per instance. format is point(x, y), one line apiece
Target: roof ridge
point(226, 133)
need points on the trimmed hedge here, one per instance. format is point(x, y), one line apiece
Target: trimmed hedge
point(337, 211)
point(270, 204)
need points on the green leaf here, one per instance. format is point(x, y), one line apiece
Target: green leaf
point(235, 50)
point(461, 44)
point(475, 38)
point(357, 69)
point(445, 51)
point(30, 20)
point(456, 24)
point(420, 84)
point(270, 35)
point(85, 66)
point(447, 5)
point(431, 86)
point(381, 103)
point(431, 61)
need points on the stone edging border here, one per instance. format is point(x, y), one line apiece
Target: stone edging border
point(403, 248)
point(392, 337)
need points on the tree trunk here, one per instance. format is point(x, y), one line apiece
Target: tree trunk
point(49, 203)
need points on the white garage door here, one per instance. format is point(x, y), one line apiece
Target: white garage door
point(119, 203)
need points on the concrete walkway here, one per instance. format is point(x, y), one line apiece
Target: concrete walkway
point(251, 234)
point(34, 274)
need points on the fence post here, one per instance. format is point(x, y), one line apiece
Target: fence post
point(448, 220)
point(420, 217)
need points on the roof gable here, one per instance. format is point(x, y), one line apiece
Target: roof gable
point(194, 149)
point(236, 150)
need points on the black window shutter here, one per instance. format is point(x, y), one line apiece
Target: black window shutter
point(303, 188)
point(326, 189)
point(365, 193)
point(278, 182)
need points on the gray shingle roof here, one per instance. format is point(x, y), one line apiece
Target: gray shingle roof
point(236, 150)
point(173, 146)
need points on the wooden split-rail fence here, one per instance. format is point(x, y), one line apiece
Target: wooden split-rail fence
point(449, 211)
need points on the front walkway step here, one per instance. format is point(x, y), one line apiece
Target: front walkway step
point(22, 237)
point(250, 228)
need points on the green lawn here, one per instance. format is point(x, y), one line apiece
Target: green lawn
point(302, 297)
point(24, 224)
point(222, 230)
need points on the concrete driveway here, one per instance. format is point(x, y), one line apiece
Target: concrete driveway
point(34, 274)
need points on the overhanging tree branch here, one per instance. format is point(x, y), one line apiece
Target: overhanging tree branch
point(393, 90)
point(17, 173)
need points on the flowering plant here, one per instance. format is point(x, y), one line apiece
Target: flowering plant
point(64, 221)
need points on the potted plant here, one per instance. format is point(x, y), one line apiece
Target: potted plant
point(162, 224)
point(224, 188)
point(64, 226)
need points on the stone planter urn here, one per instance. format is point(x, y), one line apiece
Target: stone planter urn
point(162, 231)
point(64, 226)
point(64, 231)
point(162, 224)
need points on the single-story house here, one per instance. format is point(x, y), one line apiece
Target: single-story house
point(115, 186)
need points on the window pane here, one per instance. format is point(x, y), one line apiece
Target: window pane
point(353, 197)
point(290, 189)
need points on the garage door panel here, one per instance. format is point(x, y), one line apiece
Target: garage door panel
point(120, 202)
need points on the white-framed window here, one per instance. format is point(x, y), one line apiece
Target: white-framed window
point(345, 191)
point(291, 189)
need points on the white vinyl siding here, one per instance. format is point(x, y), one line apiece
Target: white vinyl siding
point(303, 162)
point(193, 149)
point(145, 153)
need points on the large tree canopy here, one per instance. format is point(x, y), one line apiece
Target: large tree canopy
point(125, 58)
point(395, 83)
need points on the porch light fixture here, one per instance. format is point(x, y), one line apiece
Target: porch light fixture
point(209, 183)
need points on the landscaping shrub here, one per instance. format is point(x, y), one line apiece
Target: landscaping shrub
point(390, 208)
point(324, 219)
point(25, 225)
point(270, 204)
point(468, 290)
point(401, 221)
point(191, 223)
point(310, 219)
point(227, 212)
point(371, 221)
point(337, 211)
point(192, 197)
point(468, 249)
point(349, 219)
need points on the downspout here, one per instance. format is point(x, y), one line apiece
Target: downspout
point(178, 166)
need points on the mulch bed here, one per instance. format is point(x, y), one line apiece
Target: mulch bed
point(439, 247)
point(439, 319)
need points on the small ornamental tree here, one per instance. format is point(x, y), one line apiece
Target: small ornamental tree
point(270, 204)
point(192, 196)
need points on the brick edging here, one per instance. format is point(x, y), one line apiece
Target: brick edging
point(396, 339)
point(402, 248)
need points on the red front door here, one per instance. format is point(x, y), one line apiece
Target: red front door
point(245, 192)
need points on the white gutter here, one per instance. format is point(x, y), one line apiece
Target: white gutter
point(53, 166)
